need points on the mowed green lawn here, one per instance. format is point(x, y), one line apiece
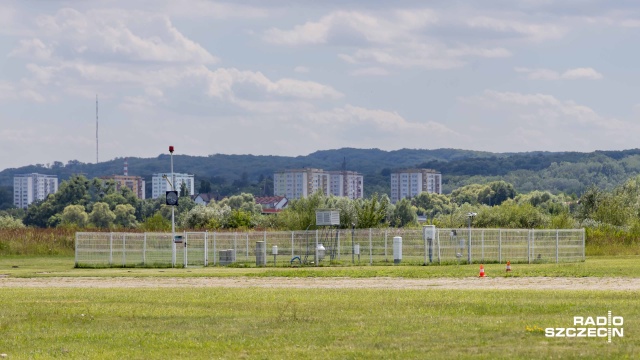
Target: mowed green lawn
point(252, 323)
point(611, 266)
point(232, 323)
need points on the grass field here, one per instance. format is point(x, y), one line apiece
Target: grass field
point(612, 266)
point(326, 324)
point(250, 323)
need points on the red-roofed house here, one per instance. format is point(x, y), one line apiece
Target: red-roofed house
point(272, 204)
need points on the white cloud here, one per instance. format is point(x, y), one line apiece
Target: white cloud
point(532, 31)
point(581, 73)
point(301, 69)
point(120, 35)
point(369, 71)
point(571, 74)
point(211, 9)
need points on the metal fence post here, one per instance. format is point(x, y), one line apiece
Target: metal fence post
point(206, 248)
point(499, 246)
point(292, 246)
point(111, 248)
point(144, 250)
point(482, 245)
point(557, 245)
point(215, 252)
point(424, 239)
point(235, 244)
point(583, 244)
point(124, 250)
point(338, 245)
point(184, 249)
point(385, 246)
point(438, 242)
point(370, 249)
point(316, 252)
point(247, 237)
point(529, 246)
point(76, 250)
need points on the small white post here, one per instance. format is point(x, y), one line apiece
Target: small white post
point(184, 236)
point(583, 245)
point(438, 241)
point(316, 251)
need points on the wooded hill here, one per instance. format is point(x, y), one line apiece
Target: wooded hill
point(567, 172)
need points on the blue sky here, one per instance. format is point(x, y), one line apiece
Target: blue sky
point(290, 78)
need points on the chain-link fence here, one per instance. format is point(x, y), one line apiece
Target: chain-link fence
point(330, 246)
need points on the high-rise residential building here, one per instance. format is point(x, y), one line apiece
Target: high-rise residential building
point(28, 188)
point(347, 183)
point(300, 183)
point(135, 183)
point(160, 185)
point(411, 182)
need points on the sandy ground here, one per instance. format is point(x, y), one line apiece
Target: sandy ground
point(538, 283)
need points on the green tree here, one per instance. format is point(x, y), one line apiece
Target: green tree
point(8, 222)
point(125, 216)
point(156, 222)
point(184, 190)
point(74, 216)
point(101, 216)
point(371, 212)
point(404, 214)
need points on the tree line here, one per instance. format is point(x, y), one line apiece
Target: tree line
point(97, 204)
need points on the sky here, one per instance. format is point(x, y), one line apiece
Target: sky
point(293, 77)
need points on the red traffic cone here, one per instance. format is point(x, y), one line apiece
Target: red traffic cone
point(508, 266)
point(481, 271)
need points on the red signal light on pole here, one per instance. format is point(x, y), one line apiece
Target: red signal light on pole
point(171, 149)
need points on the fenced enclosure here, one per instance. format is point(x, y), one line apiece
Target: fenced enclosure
point(323, 248)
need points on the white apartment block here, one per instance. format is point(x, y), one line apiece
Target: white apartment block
point(347, 183)
point(28, 188)
point(300, 183)
point(410, 183)
point(160, 185)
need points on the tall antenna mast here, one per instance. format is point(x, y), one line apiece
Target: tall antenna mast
point(96, 128)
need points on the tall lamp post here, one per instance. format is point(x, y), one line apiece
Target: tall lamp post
point(172, 200)
point(470, 215)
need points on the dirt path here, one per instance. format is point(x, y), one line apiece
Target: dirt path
point(540, 283)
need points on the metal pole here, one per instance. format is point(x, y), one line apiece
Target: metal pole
point(529, 247)
point(215, 250)
point(235, 244)
point(557, 240)
point(173, 216)
point(438, 240)
point(144, 250)
point(206, 248)
point(482, 245)
point(124, 250)
point(292, 246)
point(76, 250)
point(353, 257)
point(469, 244)
point(385, 246)
point(316, 252)
point(370, 249)
point(247, 237)
point(110, 248)
point(184, 253)
point(338, 257)
point(583, 245)
point(424, 238)
point(499, 246)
